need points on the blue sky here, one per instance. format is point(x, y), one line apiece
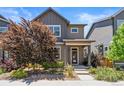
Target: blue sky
point(84, 15)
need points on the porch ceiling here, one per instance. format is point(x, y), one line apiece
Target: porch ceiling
point(78, 42)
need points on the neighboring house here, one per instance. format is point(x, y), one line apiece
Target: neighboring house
point(103, 30)
point(3, 28)
point(70, 37)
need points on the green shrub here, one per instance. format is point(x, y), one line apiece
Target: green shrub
point(57, 64)
point(120, 75)
point(92, 70)
point(107, 74)
point(18, 74)
point(2, 71)
point(60, 64)
point(69, 71)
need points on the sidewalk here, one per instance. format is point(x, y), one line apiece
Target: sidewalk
point(60, 83)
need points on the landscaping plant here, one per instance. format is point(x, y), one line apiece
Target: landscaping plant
point(92, 70)
point(116, 51)
point(19, 74)
point(8, 65)
point(107, 74)
point(56, 64)
point(69, 71)
point(2, 71)
point(29, 42)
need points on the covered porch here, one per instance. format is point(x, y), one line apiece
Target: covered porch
point(74, 51)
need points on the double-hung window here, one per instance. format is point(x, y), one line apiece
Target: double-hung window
point(56, 29)
point(3, 29)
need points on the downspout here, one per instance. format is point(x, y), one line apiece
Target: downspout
point(113, 35)
point(113, 25)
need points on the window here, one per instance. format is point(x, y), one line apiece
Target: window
point(101, 49)
point(119, 22)
point(58, 52)
point(106, 48)
point(56, 29)
point(3, 29)
point(74, 30)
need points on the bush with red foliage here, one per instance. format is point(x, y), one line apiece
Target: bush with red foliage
point(29, 42)
point(8, 65)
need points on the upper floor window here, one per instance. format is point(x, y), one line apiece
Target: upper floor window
point(120, 22)
point(3, 29)
point(74, 30)
point(56, 29)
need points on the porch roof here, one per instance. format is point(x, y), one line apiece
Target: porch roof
point(78, 42)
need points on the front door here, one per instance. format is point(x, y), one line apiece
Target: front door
point(74, 56)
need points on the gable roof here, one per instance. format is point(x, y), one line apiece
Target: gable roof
point(3, 19)
point(48, 10)
point(104, 19)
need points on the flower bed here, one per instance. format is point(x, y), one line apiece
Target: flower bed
point(107, 74)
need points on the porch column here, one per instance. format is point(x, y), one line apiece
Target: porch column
point(89, 55)
point(65, 55)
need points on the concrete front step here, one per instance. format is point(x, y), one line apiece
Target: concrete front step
point(80, 69)
point(82, 72)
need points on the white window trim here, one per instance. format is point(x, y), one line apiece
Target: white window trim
point(56, 26)
point(3, 27)
point(74, 28)
point(59, 51)
point(77, 55)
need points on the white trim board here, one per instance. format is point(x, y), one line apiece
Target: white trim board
point(59, 52)
point(74, 28)
point(77, 55)
point(53, 28)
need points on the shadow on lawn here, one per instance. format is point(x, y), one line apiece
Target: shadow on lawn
point(35, 77)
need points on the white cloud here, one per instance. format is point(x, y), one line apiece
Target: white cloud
point(15, 14)
point(8, 11)
point(27, 14)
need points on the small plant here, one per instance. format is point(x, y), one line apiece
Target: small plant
point(60, 64)
point(8, 65)
point(2, 70)
point(19, 74)
point(92, 70)
point(69, 71)
point(57, 64)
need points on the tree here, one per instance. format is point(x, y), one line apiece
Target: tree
point(29, 42)
point(116, 51)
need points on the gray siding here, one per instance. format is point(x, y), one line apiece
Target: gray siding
point(50, 18)
point(119, 16)
point(107, 22)
point(79, 35)
point(3, 24)
point(104, 23)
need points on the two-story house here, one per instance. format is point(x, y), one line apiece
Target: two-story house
point(103, 30)
point(70, 37)
point(3, 28)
